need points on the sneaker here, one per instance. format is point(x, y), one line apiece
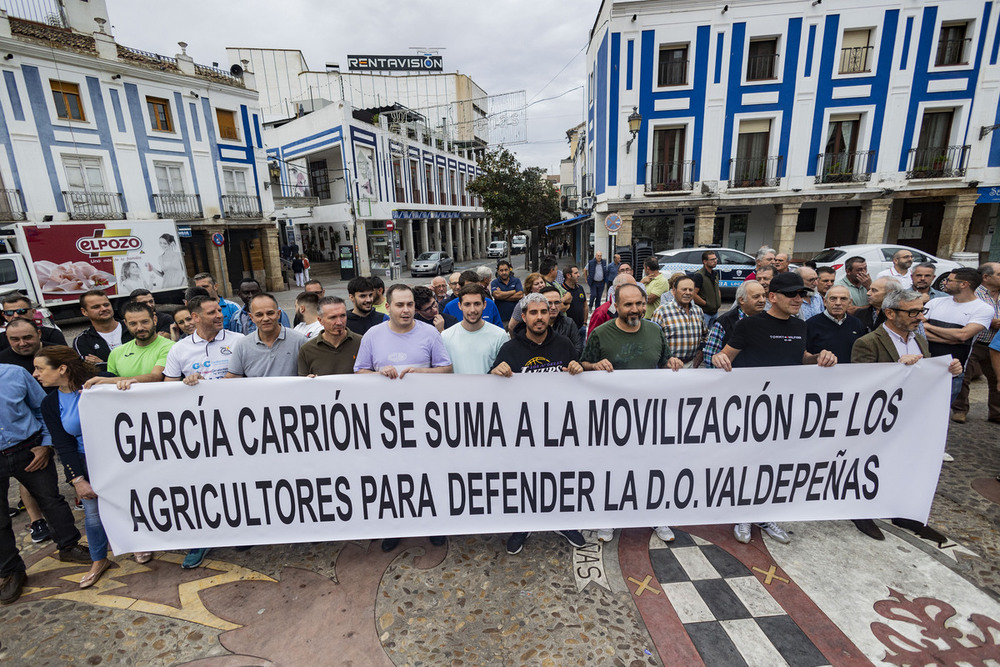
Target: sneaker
point(516, 542)
point(573, 537)
point(958, 417)
point(742, 532)
point(947, 458)
point(75, 554)
point(664, 533)
point(606, 534)
point(78, 505)
point(11, 586)
point(194, 558)
point(39, 531)
point(775, 531)
point(390, 543)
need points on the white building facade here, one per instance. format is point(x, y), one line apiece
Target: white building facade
point(795, 124)
point(93, 130)
point(371, 167)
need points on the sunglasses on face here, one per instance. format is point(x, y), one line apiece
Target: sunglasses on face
point(17, 311)
point(914, 312)
point(802, 294)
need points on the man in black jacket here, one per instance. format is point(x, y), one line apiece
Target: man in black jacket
point(559, 321)
point(105, 333)
point(364, 316)
point(834, 329)
point(18, 306)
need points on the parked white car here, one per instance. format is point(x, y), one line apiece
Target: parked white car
point(879, 258)
point(497, 249)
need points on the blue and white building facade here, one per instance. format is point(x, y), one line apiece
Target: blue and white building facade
point(94, 130)
point(800, 125)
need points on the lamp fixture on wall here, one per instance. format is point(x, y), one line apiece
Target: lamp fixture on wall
point(115, 77)
point(9, 56)
point(634, 123)
point(725, 9)
point(194, 95)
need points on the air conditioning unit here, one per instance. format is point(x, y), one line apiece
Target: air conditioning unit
point(587, 203)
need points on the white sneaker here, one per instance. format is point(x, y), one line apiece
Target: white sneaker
point(742, 532)
point(606, 534)
point(664, 533)
point(948, 458)
point(775, 531)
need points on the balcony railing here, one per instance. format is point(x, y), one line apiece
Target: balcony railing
point(856, 59)
point(939, 162)
point(762, 68)
point(672, 73)
point(953, 52)
point(49, 12)
point(83, 205)
point(856, 167)
point(178, 207)
point(241, 206)
point(669, 176)
point(11, 205)
point(755, 172)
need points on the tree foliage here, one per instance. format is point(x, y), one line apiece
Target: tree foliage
point(516, 199)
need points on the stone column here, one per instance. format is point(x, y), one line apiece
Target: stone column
point(874, 220)
point(955, 224)
point(487, 233)
point(459, 229)
point(449, 238)
point(474, 235)
point(785, 218)
point(624, 236)
point(424, 247)
point(271, 250)
point(704, 225)
point(409, 242)
point(361, 241)
point(437, 235)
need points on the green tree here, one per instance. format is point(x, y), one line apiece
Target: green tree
point(516, 199)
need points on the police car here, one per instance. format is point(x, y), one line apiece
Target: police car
point(733, 268)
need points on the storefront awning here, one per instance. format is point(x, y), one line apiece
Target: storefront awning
point(566, 224)
point(989, 195)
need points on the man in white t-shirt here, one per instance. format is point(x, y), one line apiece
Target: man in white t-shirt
point(472, 346)
point(204, 355)
point(307, 314)
point(902, 260)
point(953, 323)
point(105, 333)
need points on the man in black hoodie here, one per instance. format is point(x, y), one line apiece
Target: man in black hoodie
point(364, 316)
point(535, 348)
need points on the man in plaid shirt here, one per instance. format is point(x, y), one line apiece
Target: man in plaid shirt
point(683, 323)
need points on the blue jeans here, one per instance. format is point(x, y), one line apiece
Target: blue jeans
point(97, 539)
point(956, 386)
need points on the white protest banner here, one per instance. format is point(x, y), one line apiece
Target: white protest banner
point(260, 461)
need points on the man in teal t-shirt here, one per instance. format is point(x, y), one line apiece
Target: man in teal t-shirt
point(143, 358)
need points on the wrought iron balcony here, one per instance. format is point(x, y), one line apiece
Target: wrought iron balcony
point(670, 176)
point(855, 167)
point(755, 172)
point(855, 60)
point(178, 207)
point(241, 206)
point(85, 205)
point(762, 68)
point(953, 52)
point(937, 162)
point(11, 205)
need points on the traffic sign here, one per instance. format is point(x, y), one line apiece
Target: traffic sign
point(218, 240)
point(613, 223)
point(390, 225)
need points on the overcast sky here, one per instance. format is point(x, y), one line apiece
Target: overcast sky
point(504, 45)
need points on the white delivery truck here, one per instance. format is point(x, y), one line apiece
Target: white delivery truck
point(54, 263)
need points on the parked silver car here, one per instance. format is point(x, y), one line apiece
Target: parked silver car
point(432, 263)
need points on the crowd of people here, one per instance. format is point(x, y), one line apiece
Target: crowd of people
point(477, 321)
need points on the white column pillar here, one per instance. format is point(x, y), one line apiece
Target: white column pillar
point(409, 242)
point(424, 247)
point(437, 236)
point(459, 225)
point(467, 224)
point(449, 240)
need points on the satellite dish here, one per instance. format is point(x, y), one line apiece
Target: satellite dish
point(236, 71)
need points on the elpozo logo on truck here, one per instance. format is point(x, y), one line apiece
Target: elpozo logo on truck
point(108, 243)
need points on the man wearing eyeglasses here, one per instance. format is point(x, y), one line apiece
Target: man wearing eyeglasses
point(902, 260)
point(897, 341)
point(775, 337)
point(953, 324)
point(427, 310)
point(16, 306)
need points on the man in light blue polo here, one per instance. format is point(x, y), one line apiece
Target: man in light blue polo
point(272, 350)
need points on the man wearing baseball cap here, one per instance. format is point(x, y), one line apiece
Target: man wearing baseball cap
point(772, 338)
